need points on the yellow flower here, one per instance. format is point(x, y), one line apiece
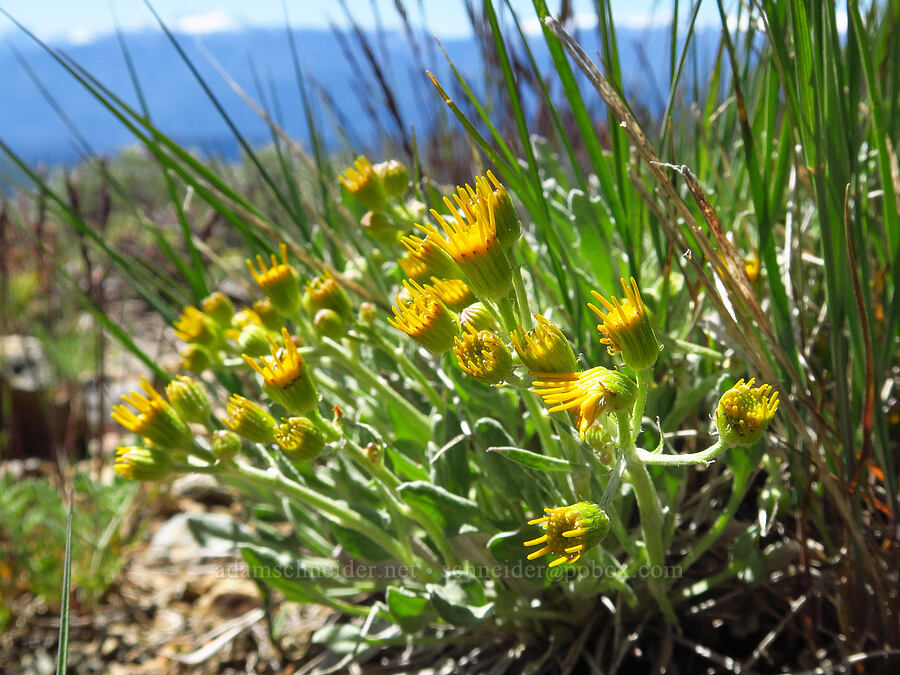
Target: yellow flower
point(364, 183)
point(142, 464)
point(413, 267)
point(482, 355)
point(425, 318)
point(249, 420)
point(489, 192)
point(627, 327)
point(432, 255)
point(188, 398)
point(219, 308)
point(588, 394)
point(286, 378)
point(156, 420)
point(280, 282)
point(300, 438)
point(570, 531)
point(324, 292)
point(744, 413)
point(473, 243)
point(544, 349)
point(751, 266)
point(195, 327)
point(453, 292)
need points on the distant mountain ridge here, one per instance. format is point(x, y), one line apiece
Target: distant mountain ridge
point(179, 107)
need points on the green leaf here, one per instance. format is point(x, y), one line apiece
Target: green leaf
point(508, 550)
point(446, 508)
point(407, 608)
point(459, 599)
point(536, 461)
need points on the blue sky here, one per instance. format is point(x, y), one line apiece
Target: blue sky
point(82, 20)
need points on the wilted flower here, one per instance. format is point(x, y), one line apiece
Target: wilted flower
point(744, 413)
point(589, 394)
point(570, 531)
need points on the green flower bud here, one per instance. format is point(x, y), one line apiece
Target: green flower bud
point(225, 445)
point(188, 398)
point(300, 438)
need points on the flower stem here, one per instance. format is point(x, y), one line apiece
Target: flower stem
point(704, 457)
point(643, 386)
point(651, 514)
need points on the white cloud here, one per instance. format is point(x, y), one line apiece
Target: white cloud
point(209, 22)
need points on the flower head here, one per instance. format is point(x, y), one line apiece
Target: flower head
point(325, 292)
point(425, 318)
point(299, 438)
point(195, 358)
point(570, 531)
point(219, 308)
point(489, 192)
point(156, 420)
point(544, 349)
point(249, 420)
point(473, 243)
point(195, 327)
point(280, 282)
point(269, 316)
point(453, 292)
point(188, 398)
point(413, 267)
point(744, 413)
point(627, 327)
point(588, 394)
point(364, 183)
point(286, 377)
point(143, 464)
point(482, 355)
point(432, 255)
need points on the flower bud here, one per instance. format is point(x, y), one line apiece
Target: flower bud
point(394, 176)
point(478, 317)
point(380, 227)
point(603, 442)
point(425, 319)
point(280, 282)
point(252, 340)
point(368, 313)
point(188, 398)
point(300, 438)
point(157, 420)
point(249, 420)
point(225, 445)
point(570, 531)
point(219, 308)
point(195, 358)
point(627, 327)
point(143, 464)
point(744, 413)
point(483, 356)
point(544, 349)
point(364, 183)
point(375, 454)
point(328, 323)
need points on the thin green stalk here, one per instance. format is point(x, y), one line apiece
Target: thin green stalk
point(704, 457)
point(409, 368)
point(643, 386)
point(651, 514)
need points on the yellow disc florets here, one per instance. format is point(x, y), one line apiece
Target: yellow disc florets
point(195, 327)
point(570, 531)
point(453, 292)
point(744, 413)
point(250, 420)
point(588, 394)
point(483, 356)
point(425, 318)
point(626, 327)
point(430, 253)
point(364, 183)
